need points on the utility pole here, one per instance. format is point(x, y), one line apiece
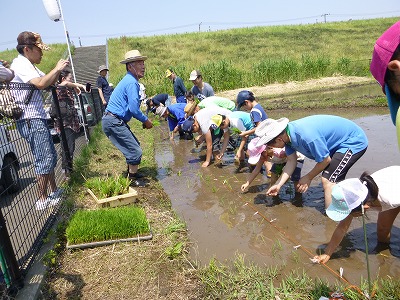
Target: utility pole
point(200, 25)
point(324, 15)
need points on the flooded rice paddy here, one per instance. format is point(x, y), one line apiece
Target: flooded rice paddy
point(284, 231)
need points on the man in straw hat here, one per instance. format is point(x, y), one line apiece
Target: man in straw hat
point(103, 86)
point(124, 104)
point(378, 191)
point(32, 125)
point(335, 143)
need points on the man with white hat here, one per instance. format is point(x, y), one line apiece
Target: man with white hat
point(103, 86)
point(175, 116)
point(124, 104)
point(335, 143)
point(200, 88)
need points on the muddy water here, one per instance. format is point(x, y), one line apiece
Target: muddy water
point(283, 231)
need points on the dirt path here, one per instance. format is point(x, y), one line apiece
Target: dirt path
point(299, 86)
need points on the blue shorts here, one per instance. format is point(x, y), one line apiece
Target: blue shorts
point(277, 169)
point(123, 138)
point(38, 136)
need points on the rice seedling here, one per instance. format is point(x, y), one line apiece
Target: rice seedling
point(276, 248)
point(109, 186)
point(104, 224)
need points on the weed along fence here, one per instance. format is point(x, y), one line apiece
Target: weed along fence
point(22, 226)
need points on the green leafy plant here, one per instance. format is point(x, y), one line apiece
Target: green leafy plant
point(109, 186)
point(174, 250)
point(106, 224)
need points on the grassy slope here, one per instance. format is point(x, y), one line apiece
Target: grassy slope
point(236, 58)
point(230, 58)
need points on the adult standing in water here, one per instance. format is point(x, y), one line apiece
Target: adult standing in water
point(124, 104)
point(179, 86)
point(333, 142)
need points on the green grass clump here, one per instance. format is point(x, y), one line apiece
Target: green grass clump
point(109, 186)
point(106, 224)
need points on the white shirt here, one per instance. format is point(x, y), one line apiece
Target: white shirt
point(24, 71)
point(203, 116)
point(387, 180)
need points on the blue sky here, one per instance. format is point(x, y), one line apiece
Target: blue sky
point(92, 22)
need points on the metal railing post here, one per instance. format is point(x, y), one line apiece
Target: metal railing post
point(63, 141)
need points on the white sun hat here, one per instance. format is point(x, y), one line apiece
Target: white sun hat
point(270, 129)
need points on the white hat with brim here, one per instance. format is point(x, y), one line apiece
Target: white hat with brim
point(161, 110)
point(255, 151)
point(270, 129)
point(346, 196)
point(133, 55)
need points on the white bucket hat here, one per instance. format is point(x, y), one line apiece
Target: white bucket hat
point(346, 196)
point(161, 110)
point(269, 129)
point(133, 55)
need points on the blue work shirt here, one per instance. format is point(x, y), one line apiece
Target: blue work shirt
point(176, 115)
point(320, 136)
point(125, 100)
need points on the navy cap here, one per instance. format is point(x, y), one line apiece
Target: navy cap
point(187, 126)
point(243, 96)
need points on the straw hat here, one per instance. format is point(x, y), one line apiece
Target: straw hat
point(270, 129)
point(133, 55)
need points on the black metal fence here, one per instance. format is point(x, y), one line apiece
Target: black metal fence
point(22, 226)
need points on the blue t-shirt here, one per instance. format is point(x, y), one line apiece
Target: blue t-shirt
point(320, 136)
point(102, 83)
point(240, 120)
point(206, 91)
point(125, 100)
point(258, 114)
point(176, 115)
